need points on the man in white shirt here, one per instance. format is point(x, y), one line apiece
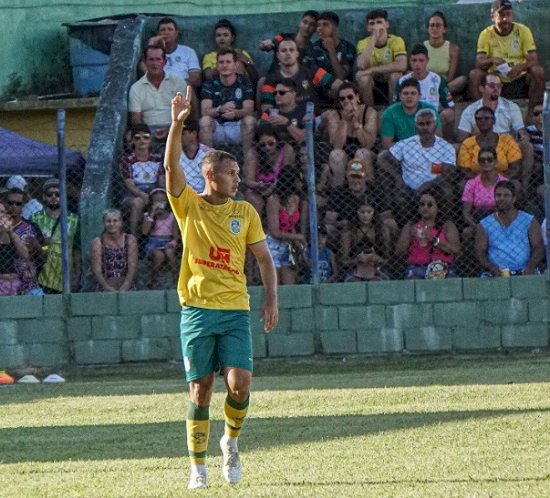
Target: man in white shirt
point(150, 97)
point(192, 154)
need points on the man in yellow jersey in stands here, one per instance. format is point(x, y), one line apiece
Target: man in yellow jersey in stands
point(508, 50)
point(215, 325)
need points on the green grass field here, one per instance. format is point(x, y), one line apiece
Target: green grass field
point(422, 427)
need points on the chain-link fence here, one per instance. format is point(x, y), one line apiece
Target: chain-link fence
point(31, 256)
point(422, 208)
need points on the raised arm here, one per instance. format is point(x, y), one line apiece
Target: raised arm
point(175, 177)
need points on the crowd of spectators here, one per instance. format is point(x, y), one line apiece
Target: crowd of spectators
point(401, 190)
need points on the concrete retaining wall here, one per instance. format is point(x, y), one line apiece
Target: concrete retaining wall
point(456, 315)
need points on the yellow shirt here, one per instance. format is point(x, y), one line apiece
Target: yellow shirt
point(507, 149)
point(383, 55)
point(214, 241)
point(209, 61)
point(440, 58)
point(513, 47)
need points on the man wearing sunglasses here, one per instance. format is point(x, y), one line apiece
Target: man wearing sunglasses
point(48, 221)
point(286, 116)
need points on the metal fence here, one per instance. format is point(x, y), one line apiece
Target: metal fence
point(331, 215)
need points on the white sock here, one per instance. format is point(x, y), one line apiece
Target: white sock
point(198, 468)
point(230, 441)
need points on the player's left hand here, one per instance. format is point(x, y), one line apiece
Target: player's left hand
point(270, 316)
point(181, 106)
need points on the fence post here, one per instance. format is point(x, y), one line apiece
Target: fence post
point(65, 260)
point(312, 201)
point(546, 166)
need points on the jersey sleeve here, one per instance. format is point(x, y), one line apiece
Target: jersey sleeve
point(398, 46)
point(527, 41)
point(483, 46)
point(321, 78)
point(180, 204)
point(255, 231)
point(511, 149)
point(466, 155)
point(134, 104)
point(193, 60)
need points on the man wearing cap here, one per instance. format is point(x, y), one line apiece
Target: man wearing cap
point(192, 154)
point(334, 55)
point(47, 220)
point(508, 50)
point(31, 205)
point(344, 201)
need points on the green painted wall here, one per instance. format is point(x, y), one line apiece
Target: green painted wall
point(36, 44)
point(455, 315)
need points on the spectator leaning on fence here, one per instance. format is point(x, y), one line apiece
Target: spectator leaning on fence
point(12, 250)
point(48, 221)
point(352, 128)
point(509, 241)
point(31, 236)
point(114, 255)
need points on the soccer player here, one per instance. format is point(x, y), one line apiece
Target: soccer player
point(215, 327)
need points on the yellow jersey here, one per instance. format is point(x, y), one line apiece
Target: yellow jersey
point(394, 47)
point(214, 241)
point(513, 47)
point(210, 60)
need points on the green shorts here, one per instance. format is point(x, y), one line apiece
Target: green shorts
point(214, 339)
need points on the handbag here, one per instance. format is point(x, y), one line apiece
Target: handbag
point(436, 269)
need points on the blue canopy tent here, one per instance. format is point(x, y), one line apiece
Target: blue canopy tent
point(26, 157)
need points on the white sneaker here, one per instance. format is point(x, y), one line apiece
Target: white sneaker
point(197, 480)
point(232, 470)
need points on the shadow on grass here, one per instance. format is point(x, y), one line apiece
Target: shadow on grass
point(167, 439)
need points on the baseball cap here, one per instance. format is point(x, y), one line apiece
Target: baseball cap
point(16, 181)
point(50, 183)
point(500, 4)
point(357, 167)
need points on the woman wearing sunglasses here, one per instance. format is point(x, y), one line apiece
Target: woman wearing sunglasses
point(12, 248)
point(352, 128)
point(430, 243)
point(478, 198)
point(263, 164)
